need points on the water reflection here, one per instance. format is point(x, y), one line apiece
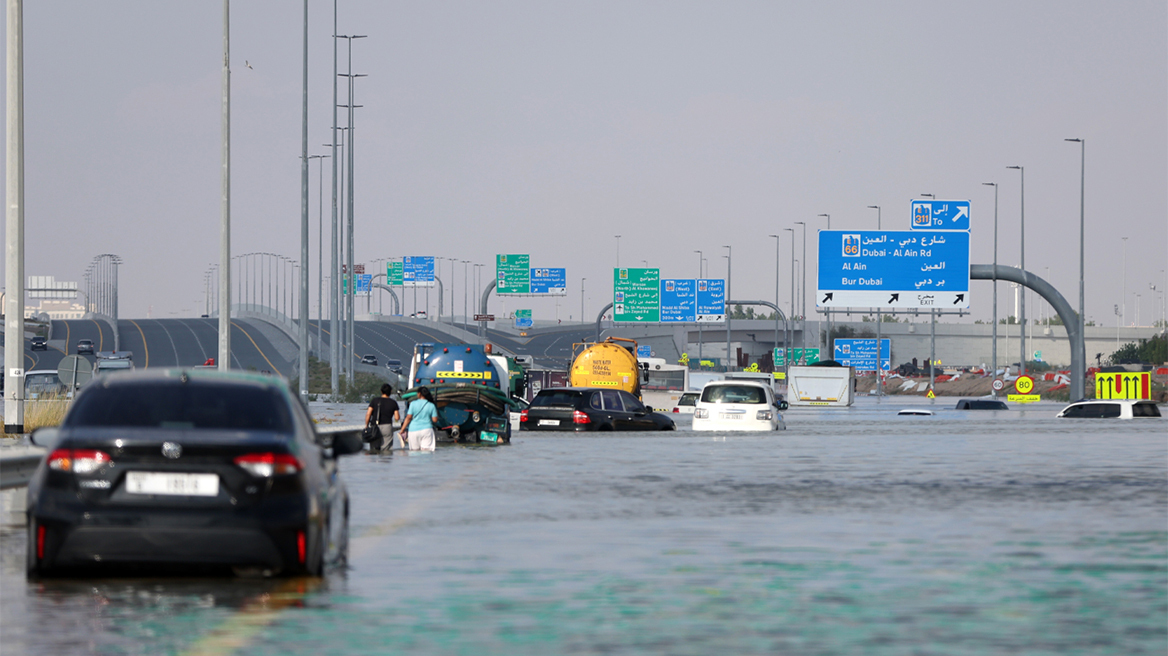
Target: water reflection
point(851, 532)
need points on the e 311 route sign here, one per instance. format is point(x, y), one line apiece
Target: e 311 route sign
point(893, 268)
point(940, 215)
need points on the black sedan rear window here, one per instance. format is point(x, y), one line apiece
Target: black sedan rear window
point(179, 405)
point(556, 397)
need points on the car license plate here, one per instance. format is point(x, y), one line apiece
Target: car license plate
point(488, 437)
point(188, 485)
point(728, 415)
point(549, 422)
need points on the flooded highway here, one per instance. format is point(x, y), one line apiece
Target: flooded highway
point(855, 531)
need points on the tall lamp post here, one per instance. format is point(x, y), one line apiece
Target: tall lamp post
point(1022, 306)
point(879, 320)
point(699, 323)
point(790, 329)
point(803, 295)
point(776, 237)
point(617, 250)
point(729, 270)
point(582, 319)
point(994, 348)
point(1082, 230)
point(827, 311)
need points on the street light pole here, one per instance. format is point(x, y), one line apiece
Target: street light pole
point(1082, 230)
point(1022, 305)
point(303, 308)
point(582, 319)
point(700, 258)
point(790, 337)
point(729, 269)
point(334, 270)
point(994, 347)
point(618, 251)
point(827, 344)
point(879, 321)
point(803, 295)
point(224, 361)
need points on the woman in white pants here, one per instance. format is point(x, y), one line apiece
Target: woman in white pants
point(417, 429)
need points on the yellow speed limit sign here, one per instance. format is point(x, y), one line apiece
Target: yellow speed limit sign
point(1024, 384)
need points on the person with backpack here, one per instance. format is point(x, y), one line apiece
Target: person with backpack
point(417, 430)
point(383, 412)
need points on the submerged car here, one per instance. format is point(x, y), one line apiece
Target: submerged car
point(686, 403)
point(188, 470)
point(1110, 409)
point(981, 404)
point(737, 405)
point(590, 409)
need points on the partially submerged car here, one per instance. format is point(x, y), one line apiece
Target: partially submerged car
point(1110, 409)
point(737, 405)
point(590, 409)
point(686, 403)
point(186, 470)
point(982, 404)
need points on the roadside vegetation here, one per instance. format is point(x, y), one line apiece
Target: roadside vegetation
point(1146, 351)
point(364, 387)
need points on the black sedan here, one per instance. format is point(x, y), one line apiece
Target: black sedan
point(589, 409)
point(188, 470)
point(38, 343)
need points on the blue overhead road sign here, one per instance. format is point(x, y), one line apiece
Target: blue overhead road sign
point(678, 300)
point(418, 271)
point(711, 305)
point(893, 268)
point(940, 215)
point(549, 281)
point(861, 353)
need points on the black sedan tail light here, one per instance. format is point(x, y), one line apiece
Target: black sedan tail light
point(78, 461)
point(266, 465)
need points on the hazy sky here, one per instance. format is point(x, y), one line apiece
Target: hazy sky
point(549, 127)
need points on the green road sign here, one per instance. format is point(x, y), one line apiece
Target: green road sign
point(780, 357)
point(797, 355)
point(393, 274)
point(636, 295)
point(513, 273)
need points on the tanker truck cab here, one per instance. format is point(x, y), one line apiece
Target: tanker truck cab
point(470, 391)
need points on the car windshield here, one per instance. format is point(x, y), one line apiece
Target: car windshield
point(733, 394)
point(556, 397)
point(174, 404)
point(688, 399)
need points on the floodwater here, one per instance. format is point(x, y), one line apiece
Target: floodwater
point(853, 532)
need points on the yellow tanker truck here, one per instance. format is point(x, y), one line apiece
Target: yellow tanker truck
point(611, 363)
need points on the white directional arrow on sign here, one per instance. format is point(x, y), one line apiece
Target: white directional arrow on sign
point(961, 211)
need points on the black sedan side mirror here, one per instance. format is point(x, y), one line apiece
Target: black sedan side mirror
point(46, 437)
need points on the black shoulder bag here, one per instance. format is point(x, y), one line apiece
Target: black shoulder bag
point(373, 428)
